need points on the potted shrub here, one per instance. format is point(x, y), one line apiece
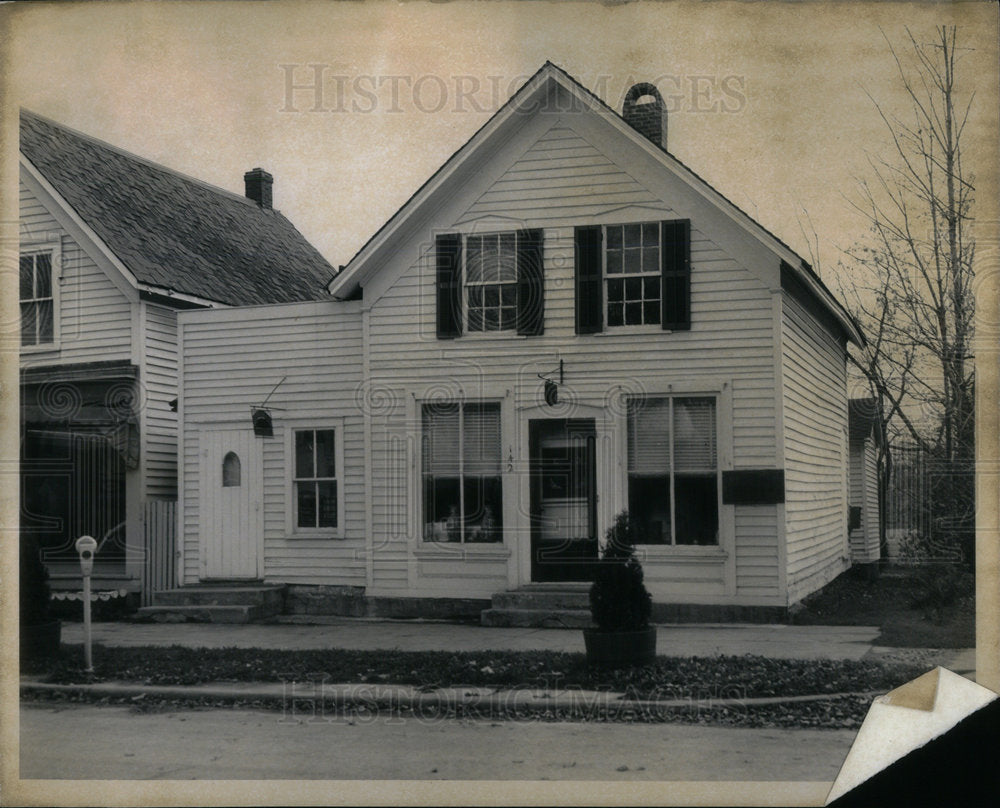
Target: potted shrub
point(620, 605)
point(40, 632)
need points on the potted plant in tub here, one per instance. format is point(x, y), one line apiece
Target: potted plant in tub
point(40, 632)
point(620, 605)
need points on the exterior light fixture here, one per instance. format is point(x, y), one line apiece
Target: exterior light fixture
point(261, 415)
point(551, 392)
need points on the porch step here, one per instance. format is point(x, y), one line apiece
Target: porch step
point(536, 618)
point(237, 602)
point(201, 614)
point(564, 605)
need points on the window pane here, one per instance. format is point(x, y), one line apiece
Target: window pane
point(651, 260)
point(28, 324)
point(633, 235)
point(633, 260)
point(481, 452)
point(491, 320)
point(491, 296)
point(440, 438)
point(694, 434)
point(696, 509)
point(650, 234)
point(649, 436)
point(651, 288)
point(614, 262)
point(304, 453)
point(633, 313)
point(614, 238)
point(43, 275)
point(473, 260)
point(44, 310)
point(327, 503)
point(633, 288)
point(508, 317)
point(27, 275)
point(475, 296)
point(616, 290)
point(325, 457)
point(483, 514)
point(231, 471)
point(507, 264)
point(442, 521)
point(649, 506)
point(306, 504)
point(616, 314)
point(476, 320)
point(508, 295)
point(491, 259)
point(651, 312)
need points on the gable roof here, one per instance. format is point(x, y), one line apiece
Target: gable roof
point(526, 99)
point(172, 232)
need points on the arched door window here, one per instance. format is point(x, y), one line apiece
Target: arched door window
point(231, 470)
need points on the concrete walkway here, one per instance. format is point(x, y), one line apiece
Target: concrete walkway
point(778, 641)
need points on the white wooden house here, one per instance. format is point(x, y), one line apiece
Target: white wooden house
point(112, 246)
point(562, 323)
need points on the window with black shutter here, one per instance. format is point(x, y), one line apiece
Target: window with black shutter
point(633, 274)
point(490, 282)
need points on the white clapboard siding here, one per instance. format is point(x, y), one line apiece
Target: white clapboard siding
point(159, 388)
point(233, 359)
point(159, 547)
point(815, 419)
point(559, 182)
point(94, 316)
point(864, 494)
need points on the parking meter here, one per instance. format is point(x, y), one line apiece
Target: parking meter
point(85, 546)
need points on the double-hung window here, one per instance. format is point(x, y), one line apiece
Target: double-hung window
point(462, 488)
point(489, 283)
point(314, 485)
point(37, 300)
point(636, 274)
point(673, 469)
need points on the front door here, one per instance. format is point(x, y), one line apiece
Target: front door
point(563, 499)
point(231, 517)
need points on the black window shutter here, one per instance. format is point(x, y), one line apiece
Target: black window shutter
point(530, 284)
point(589, 299)
point(449, 286)
point(676, 285)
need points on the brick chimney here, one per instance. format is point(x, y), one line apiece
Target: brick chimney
point(258, 183)
point(644, 111)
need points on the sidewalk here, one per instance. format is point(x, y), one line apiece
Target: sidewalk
point(778, 641)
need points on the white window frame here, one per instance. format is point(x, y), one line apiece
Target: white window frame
point(54, 248)
point(421, 519)
point(291, 501)
point(467, 285)
point(721, 457)
point(656, 327)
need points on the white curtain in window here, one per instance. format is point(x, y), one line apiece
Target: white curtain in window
point(694, 435)
point(649, 436)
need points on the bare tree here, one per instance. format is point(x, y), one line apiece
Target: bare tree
point(911, 278)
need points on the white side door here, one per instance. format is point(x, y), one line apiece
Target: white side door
point(231, 526)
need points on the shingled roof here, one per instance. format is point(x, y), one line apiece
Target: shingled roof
point(174, 232)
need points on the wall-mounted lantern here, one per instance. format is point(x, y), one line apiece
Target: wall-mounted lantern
point(261, 415)
point(551, 391)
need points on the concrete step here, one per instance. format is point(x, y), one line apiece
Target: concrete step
point(201, 614)
point(542, 599)
point(270, 598)
point(536, 618)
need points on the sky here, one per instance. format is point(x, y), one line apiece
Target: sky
point(767, 101)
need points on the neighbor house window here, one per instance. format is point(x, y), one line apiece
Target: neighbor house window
point(37, 302)
point(673, 471)
point(315, 480)
point(461, 472)
point(490, 282)
point(636, 274)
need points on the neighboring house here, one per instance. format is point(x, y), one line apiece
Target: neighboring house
point(562, 323)
point(865, 433)
point(112, 247)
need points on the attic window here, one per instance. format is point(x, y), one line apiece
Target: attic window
point(231, 471)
